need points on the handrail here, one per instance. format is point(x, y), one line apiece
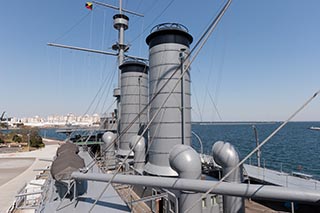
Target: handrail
point(200, 141)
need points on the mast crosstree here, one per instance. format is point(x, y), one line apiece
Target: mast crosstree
point(121, 24)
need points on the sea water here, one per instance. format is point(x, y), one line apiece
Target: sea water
point(294, 148)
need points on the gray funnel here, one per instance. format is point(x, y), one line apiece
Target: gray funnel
point(134, 97)
point(167, 44)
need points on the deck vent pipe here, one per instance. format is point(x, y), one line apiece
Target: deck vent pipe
point(139, 144)
point(227, 157)
point(134, 97)
point(108, 145)
point(186, 162)
point(108, 149)
point(168, 49)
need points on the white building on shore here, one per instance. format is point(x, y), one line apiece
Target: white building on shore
point(61, 120)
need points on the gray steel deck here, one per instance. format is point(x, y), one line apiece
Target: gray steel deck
point(265, 175)
point(109, 202)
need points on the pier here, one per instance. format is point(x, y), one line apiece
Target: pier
point(22, 166)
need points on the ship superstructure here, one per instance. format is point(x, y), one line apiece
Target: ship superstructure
point(147, 162)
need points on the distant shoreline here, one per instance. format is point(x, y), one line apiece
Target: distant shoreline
point(245, 122)
point(46, 141)
point(192, 122)
point(235, 122)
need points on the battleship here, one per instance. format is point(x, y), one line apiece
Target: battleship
point(143, 161)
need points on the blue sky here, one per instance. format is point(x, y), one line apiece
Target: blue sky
point(261, 63)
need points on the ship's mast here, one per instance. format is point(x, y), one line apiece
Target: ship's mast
point(120, 24)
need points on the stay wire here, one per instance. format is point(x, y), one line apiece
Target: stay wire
point(126, 158)
point(203, 39)
point(120, 135)
point(154, 20)
point(186, 69)
point(98, 92)
point(214, 105)
point(256, 149)
point(156, 131)
point(71, 28)
point(105, 100)
point(106, 89)
point(197, 102)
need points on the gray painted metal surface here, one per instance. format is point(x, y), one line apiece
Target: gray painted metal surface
point(186, 162)
point(120, 23)
point(165, 131)
point(227, 157)
point(134, 97)
point(139, 144)
point(166, 134)
point(109, 202)
point(275, 193)
point(109, 146)
point(279, 178)
point(108, 149)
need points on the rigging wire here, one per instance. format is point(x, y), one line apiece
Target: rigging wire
point(72, 27)
point(253, 150)
point(197, 102)
point(207, 82)
point(108, 91)
point(154, 20)
point(220, 72)
point(214, 104)
point(141, 43)
point(105, 65)
point(199, 45)
point(107, 83)
point(257, 148)
point(204, 38)
point(95, 97)
point(156, 130)
point(91, 30)
point(60, 71)
point(131, 150)
point(109, 107)
point(204, 102)
point(206, 85)
point(220, 68)
point(104, 81)
point(103, 29)
point(139, 5)
point(147, 10)
point(89, 58)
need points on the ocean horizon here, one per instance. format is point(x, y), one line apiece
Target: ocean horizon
point(295, 148)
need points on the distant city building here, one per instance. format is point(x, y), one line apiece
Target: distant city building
point(57, 120)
